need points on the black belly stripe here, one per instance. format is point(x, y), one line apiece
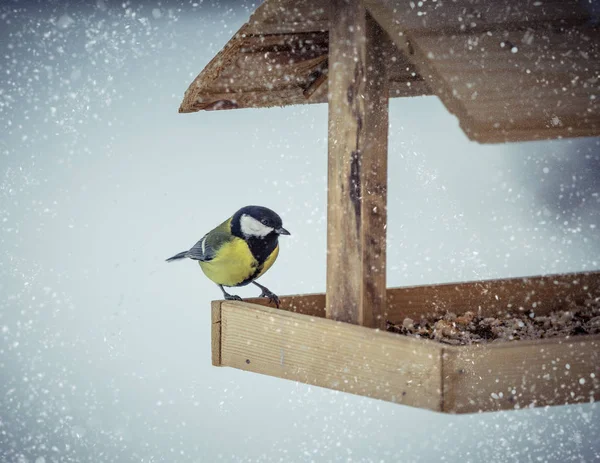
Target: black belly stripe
point(252, 277)
point(261, 249)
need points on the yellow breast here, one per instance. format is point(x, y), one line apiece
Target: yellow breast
point(234, 264)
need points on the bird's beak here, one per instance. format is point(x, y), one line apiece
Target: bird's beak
point(282, 231)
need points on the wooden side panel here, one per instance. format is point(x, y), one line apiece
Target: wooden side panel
point(521, 374)
point(330, 354)
point(357, 167)
point(494, 297)
point(215, 333)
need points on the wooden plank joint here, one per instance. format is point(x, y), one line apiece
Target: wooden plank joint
point(316, 78)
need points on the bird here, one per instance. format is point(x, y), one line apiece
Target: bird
point(239, 250)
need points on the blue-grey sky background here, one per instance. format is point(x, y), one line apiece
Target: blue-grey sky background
point(105, 349)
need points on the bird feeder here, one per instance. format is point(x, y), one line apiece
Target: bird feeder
point(510, 70)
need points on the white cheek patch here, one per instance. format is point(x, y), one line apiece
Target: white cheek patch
point(252, 227)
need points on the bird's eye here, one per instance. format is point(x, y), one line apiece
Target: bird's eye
point(263, 221)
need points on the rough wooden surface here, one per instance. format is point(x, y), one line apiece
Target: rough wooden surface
point(415, 372)
point(521, 85)
point(215, 332)
point(330, 354)
point(540, 294)
point(510, 71)
point(257, 71)
point(521, 374)
point(373, 165)
point(306, 304)
point(476, 15)
point(357, 168)
point(285, 16)
point(298, 343)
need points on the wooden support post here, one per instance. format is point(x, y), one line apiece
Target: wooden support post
point(357, 170)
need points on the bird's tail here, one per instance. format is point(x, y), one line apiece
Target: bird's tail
point(181, 255)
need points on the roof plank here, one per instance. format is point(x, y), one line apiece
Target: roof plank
point(543, 81)
point(510, 70)
point(476, 15)
point(275, 70)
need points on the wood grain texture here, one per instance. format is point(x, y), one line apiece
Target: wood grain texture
point(546, 90)
point(521, 374)
point(330, 354)
point(215, 332)
point(285, 16)
point(298, 343)
point(357, 167)
point(540, 294)
point(373, 166)
point(192, 100)
point(521, 85)
point(476, 15)
point(507, 74)
point(306, 304)
point(386, 16)
point(258, 71)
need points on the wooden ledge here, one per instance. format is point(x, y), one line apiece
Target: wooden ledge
point(299, 344)
point(326, 353)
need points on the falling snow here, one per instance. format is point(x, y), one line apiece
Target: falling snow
point(105, 355)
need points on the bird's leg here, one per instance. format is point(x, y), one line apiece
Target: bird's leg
point(267, 293)
point(229, 297)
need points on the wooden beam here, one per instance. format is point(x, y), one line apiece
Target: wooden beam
point(329, 354)
point(357, 170)
point(277, 16)
point(406, 370)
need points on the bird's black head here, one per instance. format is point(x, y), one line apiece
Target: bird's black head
point(257, 222)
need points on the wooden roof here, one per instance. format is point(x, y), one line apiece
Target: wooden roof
point(510, 70)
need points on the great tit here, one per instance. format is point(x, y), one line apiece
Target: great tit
point(240, 250)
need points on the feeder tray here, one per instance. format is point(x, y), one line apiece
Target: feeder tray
point(297, 342)
point(510, 70)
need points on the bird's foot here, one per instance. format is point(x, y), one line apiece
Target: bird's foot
point(272, 296)
point(229, 297)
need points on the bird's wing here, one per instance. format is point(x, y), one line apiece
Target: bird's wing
point(206, 249)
